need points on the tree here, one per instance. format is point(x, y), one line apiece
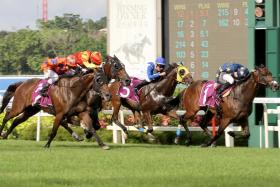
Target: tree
point(23, 51)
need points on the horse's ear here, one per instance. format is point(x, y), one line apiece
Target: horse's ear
point(116, 57)
point(108, 58)
point(261, 66)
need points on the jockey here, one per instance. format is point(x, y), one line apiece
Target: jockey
point(88, 59)
point(228, 74)
point(53, 68)
point(154, 72)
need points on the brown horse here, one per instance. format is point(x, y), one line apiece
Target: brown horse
point(87, 109)
point(154, 97)
point(115, 69)
point(236, 107)
point(65, 94)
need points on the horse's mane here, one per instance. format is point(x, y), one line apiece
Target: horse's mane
point(170, 67)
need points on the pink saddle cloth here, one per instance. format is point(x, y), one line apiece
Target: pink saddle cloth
point(208, 94)
point(128, 91)
point(44, 101)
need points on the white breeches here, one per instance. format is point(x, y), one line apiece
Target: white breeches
point(51, 76)
point(228, 78)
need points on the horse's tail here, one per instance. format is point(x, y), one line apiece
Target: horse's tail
point(10, 92)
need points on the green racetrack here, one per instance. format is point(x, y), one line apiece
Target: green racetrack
point(27, 163)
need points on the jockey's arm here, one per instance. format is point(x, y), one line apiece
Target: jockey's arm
point(150, 74)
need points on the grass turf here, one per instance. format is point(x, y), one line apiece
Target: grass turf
point(27, 163)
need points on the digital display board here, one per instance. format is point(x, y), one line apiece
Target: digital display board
point(205, 34)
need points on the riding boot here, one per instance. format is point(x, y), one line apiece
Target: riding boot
point(140, 85)
point(222, 88)
point(43, 91)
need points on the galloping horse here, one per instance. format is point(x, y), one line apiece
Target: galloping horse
point(87, 108)
point(65, 95)
point(154, 97)
point(236, 107)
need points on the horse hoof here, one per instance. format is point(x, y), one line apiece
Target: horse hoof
point(204, 145)
point(125, 135)
point(105, 147)
point(77, 138)
point(213, 145)
point(188, 143)
point(151, 137)
point(4, 135)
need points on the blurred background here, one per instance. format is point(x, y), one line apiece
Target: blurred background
point(31, 30)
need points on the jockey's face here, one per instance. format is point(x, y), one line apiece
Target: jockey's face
point(159, 68)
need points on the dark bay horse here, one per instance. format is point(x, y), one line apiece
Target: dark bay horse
point(65, 95)
point(236, 107)
point(88, 108)
point(153, 97)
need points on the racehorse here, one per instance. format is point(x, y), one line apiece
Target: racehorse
point(64, 95)
point(87, 108)
point(236, 107)
point(153, 98)
point(115, 69)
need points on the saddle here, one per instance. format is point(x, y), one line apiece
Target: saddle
point(127, 92)
point(208, 95)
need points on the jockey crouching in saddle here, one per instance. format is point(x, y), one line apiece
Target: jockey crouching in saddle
point(155, 70)
point(227, 75)
point(60, 66)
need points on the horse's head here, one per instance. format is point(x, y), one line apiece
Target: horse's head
point(264, 77)
point(183, 75)
point(115, 69)
point(101, 84)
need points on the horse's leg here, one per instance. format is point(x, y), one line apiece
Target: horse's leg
point(148, 119)
point(86, 123)
point(95, 121)
point(224, 122)
point(64, 124)
point(137, 118)
point(28, 112)
point(57, 121)
point(245, 130)
point(16, 110)
point(203, 125)
point(183, 122)
point(116, 103)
